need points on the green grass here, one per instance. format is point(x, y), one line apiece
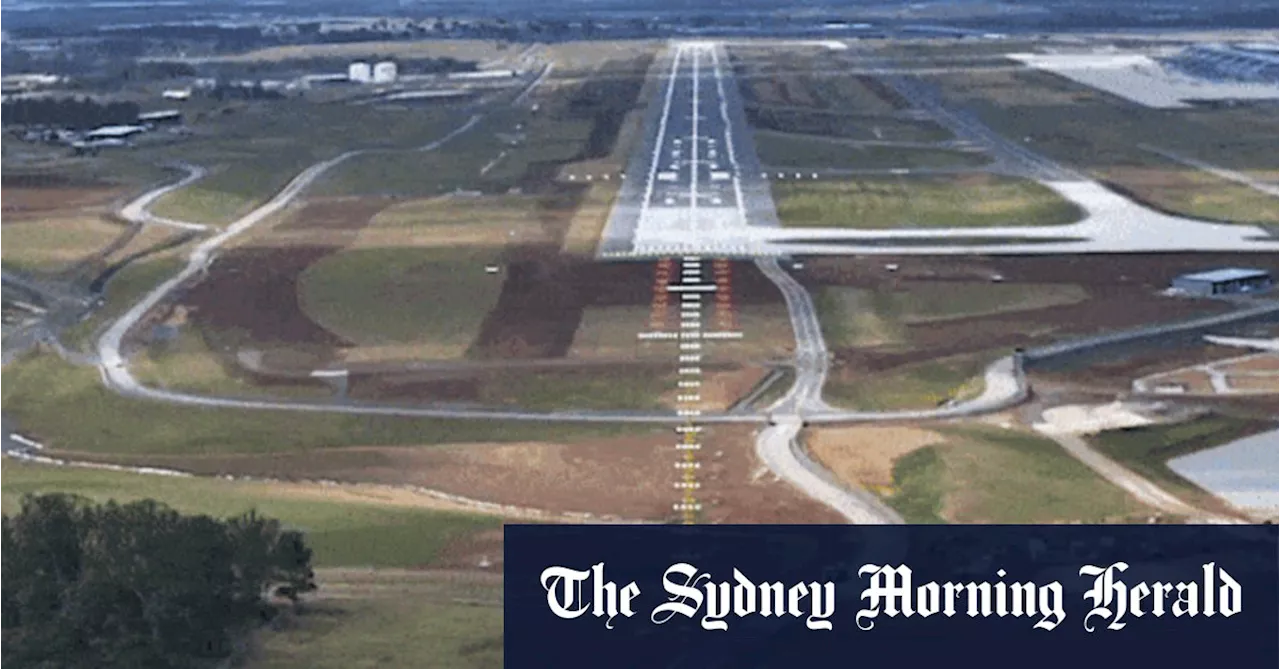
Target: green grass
point(258, 147)
point(402, 295)
point(915, 386)
point(776, 389)
point(438, 628)
point(989, 475)
point(802, 152)
point(856, 318)
point(918, 486)
point(54, 244)
point(42, 393)
point(341, 533)
point(190, 362)
point(833, 123)
point(601, 388)
point(548, 138)
point(124, 289)
point(942, 301)
point(1146, 451)
point(451, 166)
point(863, 318)
point(1097, 132)
point(972, 201)
point(1196, 194)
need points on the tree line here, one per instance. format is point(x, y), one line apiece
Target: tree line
point(139, 585)
point(76, 113)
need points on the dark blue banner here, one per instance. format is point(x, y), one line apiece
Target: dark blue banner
point(900, 596)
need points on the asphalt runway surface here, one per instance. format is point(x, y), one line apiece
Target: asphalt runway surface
point(694, 186)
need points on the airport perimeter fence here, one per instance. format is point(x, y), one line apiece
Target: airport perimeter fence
point(1181, 334)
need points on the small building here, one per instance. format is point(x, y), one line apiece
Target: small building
point(1227, 281)
point(176, 94)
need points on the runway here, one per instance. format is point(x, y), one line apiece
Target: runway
point(695, 185)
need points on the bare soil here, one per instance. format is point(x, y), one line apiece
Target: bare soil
point(28, 204)
point(337, 213)
point(1124, 293)
point(544, 295)
point(629, 477)
point(252, 290)
point(865, 455)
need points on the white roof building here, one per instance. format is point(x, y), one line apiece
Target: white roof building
point(114, 132)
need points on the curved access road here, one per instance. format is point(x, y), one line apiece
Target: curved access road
point(806, 395)
point(138, 211)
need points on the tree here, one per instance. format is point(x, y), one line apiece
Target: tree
point(139, 584)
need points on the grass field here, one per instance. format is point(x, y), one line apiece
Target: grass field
point(598, 388)
point(254, 149)
point(988, 475)
point(1097, 132)
point(452, 166)
point(920, 385)
point(921, 202)
point(1194, 193)
point(836, 123)
point(610, 332)
point(806, 152)
point(53, 244)
point(509, 148)
point(42, 391)
point(403, 295)
point(856, 318)
point(860, 318)
point(190, 362)
point(587, 223)
point(1148, 450)
point(451, 222)
point(342, 533)
point(121, 292)
point(390, 619)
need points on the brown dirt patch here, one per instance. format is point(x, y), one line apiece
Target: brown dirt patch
point(719, 389)
point(1124, 292)
point(495, 383)
point(251, 292)
point(338, 213)
point(478, 550)
point(1149, 271)
point(628, 477)
point(864, 456)
point(544, 294)
point(25, 204)
point(1194, 381)
point(1269, 384)
point(1265, 362)
point(1116, 376)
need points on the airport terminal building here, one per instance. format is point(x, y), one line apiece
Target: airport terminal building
point(1229, 281)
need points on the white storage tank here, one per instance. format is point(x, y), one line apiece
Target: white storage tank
point(384, 72)
point(359, 72)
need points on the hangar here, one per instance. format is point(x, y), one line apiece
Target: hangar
point(1228, 281)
